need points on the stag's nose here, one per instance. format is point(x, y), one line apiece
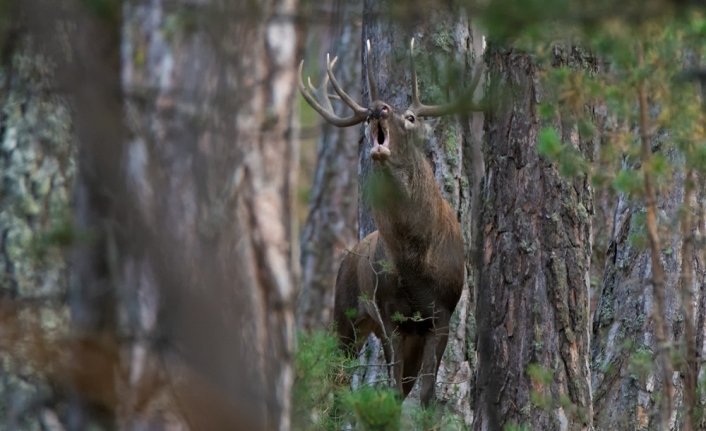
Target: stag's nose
point(379, 110)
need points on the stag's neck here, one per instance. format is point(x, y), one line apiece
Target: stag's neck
point(414, 214)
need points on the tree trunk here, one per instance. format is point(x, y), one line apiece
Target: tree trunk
point(183, 300)
point(37, 163)
point(212, 165)
point(532, 308)
point(699, 288)
point(331, 225)
point(446, 49)
point(649, 323)
point(627, 379)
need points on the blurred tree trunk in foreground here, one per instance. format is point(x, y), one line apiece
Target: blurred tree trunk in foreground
point(211, 163)
point(446, 50)
point(331, 225)
point(182, 299)
point(532, 310)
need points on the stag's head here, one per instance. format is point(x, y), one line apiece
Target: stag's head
point(392, 132)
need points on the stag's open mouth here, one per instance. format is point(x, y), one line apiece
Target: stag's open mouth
point(381, 141)
point(380, 138)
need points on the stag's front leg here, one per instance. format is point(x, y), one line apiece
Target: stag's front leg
point(434, 348)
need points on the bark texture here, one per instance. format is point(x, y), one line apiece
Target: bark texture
point(182, 302)
point(37, 153)
point(698, 290)
point(211, 163)
point(532, 308)
point(331, 225)
point(626, 378)
point(446, 50)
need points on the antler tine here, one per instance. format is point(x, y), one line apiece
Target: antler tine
point(460, 105)
point(359, 110)
point(416, 104)
point(371, 77)
point(321, 93)
point(326, 111)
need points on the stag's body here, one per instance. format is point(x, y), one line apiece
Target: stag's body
point(411, 267)
point(403, 281)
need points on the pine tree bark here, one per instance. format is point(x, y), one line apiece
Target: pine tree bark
point(331, 225)
point(37, 161)
point(649, 323)
point(625, 385)
point(532, 307)
point(628, 381)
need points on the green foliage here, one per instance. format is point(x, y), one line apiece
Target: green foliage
point(376, 409)
point(570, 161)
point(628, 181)
point(318, 380)
point(642, 363)
point(417, 418)
point(385, 266)
point(638, 234)
point(398, 317)
point(698, 157)
point(540, 396)
point(539, 374)
point(514, 427)
point(549, 143)
point(380, 189)
point(322, 398)
point(546, 112)
point(108, 10)
point(541, 399)
point(509, 18)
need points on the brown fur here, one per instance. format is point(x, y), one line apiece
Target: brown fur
point(413, 265)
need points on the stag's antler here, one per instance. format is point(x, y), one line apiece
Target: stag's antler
point(464, 103)
point(371, 78)
point(326, 111)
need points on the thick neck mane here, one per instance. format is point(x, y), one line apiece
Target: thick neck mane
point(415, 214)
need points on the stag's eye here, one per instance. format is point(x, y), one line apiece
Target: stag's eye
point(410, 118)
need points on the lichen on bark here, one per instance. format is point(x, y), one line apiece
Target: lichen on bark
point(37, 164)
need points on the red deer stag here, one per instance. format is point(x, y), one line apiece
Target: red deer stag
point(403, 281)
